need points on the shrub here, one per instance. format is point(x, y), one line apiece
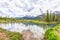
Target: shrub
point(50, 34)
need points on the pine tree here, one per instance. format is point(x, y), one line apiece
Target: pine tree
point(50, 16)
point(53, 17)
point(47, 16)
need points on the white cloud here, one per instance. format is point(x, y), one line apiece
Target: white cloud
point(28, 7)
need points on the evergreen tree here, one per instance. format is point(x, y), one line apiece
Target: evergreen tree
point(47, 16)
point(53, 17)
point(50, 16)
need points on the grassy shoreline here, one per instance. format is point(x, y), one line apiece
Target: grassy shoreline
point(27, 21)
point(7, 35)
point(52, 33)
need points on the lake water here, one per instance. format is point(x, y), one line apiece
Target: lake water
point(19, 27)
point(37, 30)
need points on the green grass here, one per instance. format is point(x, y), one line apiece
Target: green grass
point(11, 35)
point(52, 33)
point(11, 20)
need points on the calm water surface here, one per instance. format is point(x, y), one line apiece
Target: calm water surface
point(19, 27)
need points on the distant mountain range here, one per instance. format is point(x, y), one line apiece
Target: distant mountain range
point(31, 17)
point(57, 13)
point(39, 16)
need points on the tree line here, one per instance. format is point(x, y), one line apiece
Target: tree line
point(52, 17)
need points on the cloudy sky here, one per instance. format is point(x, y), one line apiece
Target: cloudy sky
point(19, 8)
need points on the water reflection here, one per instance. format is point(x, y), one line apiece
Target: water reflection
point(19, 27)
